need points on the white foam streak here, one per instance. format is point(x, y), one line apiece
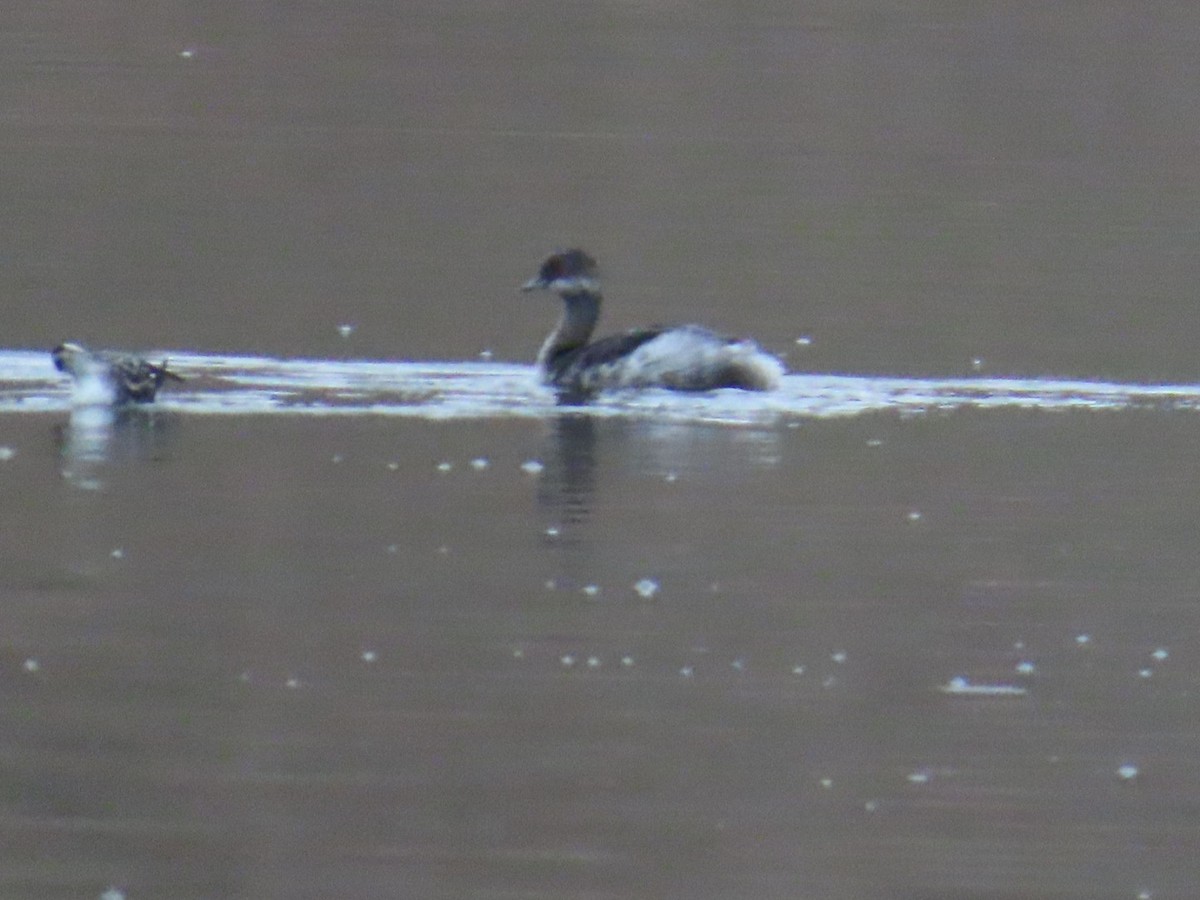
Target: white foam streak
point(246, 385)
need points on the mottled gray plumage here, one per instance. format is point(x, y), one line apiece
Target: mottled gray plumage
point(133, 379)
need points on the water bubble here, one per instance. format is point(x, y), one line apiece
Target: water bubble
point(591, 590)
point(627, 661)
point(31, 665)
point(368, 656)
point(686, 672)
point(567, 660)
point(7, 453)
point(646, 588)
point(480, 463)
point(445, 467)
point(593, 662)
point(1083, 639)
point(532, 467)
point(1160, 654)
point(1026, 668)
point(345, 330)
point(113, 893)
point(1127, 772)
point(838, 656)
point(118, 553)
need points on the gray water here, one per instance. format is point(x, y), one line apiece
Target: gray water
point(359, 610)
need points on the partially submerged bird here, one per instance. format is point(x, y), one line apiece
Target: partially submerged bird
point(682, 358)
point(131, 378)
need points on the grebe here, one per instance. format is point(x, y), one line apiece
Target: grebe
point(132, 379)
point(682, 358)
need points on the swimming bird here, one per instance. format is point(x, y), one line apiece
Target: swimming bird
point(682, 357)
point(132, 378)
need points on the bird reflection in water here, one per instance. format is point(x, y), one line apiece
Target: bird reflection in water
point(98, 434)
point(567, 486)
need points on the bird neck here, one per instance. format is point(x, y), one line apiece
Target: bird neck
point(581, 311)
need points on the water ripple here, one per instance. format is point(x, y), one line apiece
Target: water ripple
point(248, 385)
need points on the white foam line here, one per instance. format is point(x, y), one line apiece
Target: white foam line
point(252, 385)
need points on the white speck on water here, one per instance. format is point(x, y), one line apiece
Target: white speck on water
point(337, 459)
point(797, 670)
point(827, 784)
point(646, 588)
point(393, 466)
point(1160, 654)
point(443, 550)
point(7, 453)
point(914, 515)
point(1025, 667)
point(1019, 645)
point(551, 584)
point(593, 662)
point(518, 653)
point(976, 363)
point(871, 806)
point(567, 660)
point(804, 340)
point(1127, 772)
point(838, 656)
point(245, 677)
point(960, 685)
point(627, 661)
point(292, 683)
point(393, 548)
point(486, 354)
point(1083, 639)
point(828, 681)
point(31, 665)
point(445, 467)
point(1145, 673)
point(345, 330)
point(1145, 895)
point(552, 531)
point(118, 553)
point(368, 656)
point(874, 442)
point(532, 467)
point(671, 477)
point(591, 590)
point(921, 776)
point(113, 894)
point(686, 672)
point(738, 665)
point(187, 53)
point(480, 463)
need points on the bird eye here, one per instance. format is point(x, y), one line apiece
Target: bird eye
point(552, 268)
